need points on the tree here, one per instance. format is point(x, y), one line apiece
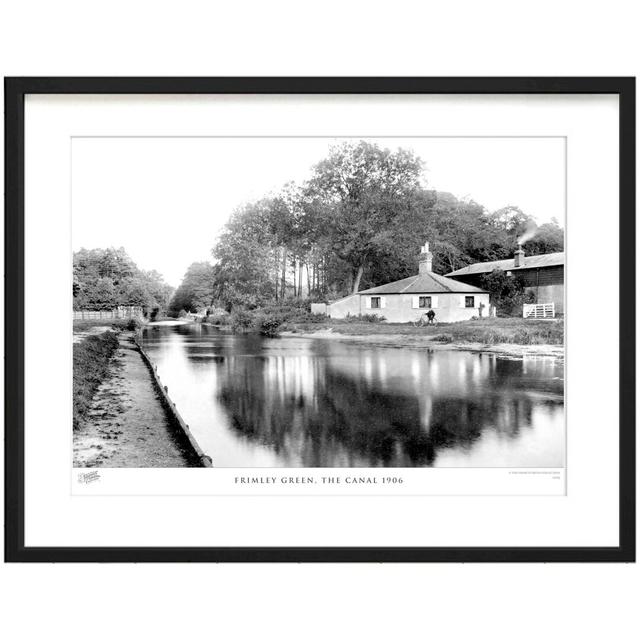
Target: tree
point(249, 254)
point(106, 278)
point(514, 227)
point(462, 232)
point(196, 289)
point(511, 221)
point(279, 218)
point(159, 291)
point(102, 294)
point(549, 238)
point(507, 292)
point(370, 189)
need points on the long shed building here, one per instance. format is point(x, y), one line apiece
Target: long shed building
point(543, 275)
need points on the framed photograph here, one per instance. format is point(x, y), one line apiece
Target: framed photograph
point(320, 319)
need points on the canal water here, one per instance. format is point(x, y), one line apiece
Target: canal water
point(298, 402)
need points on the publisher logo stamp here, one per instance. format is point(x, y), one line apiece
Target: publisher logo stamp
point(88, 477)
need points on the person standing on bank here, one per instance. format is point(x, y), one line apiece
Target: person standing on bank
point(431, 314)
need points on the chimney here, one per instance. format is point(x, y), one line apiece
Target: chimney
point(426, 258)
point(518, 257)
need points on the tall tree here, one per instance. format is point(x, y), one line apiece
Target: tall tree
point(370, 189)
point(248, 256)
point(196, 290)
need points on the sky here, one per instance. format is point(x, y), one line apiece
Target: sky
point(165, 200)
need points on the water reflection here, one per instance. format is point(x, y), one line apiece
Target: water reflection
point(253, 401)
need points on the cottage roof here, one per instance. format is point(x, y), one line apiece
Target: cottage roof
point(424, 283)
point(530, 262)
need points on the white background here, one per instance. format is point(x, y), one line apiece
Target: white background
point(367, 38)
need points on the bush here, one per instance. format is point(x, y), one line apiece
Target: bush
point(364, 317)
point(507, 292)
point(270, 325)
point(271, 319)
point(290, 312)
point(216, 312)
point(217, 317)
point(182, 313)
point(241, 320)
point(133, 324)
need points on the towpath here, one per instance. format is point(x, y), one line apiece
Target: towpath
point(127, 424)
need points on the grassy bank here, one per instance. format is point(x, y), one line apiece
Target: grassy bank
point(90, 364)
point(486, 331)
point(296, 319)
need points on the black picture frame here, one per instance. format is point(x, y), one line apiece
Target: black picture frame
point(15, 91)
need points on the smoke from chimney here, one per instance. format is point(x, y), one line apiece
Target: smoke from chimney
point(529, 233)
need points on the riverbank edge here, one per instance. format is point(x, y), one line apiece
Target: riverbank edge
point(170, 406)
point(398, 341)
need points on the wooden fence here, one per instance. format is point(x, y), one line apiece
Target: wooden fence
point(547, 310)
point(113, 314)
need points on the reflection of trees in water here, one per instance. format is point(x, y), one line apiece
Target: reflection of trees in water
point(312, 414)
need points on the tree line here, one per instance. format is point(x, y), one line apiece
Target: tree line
point(104, 279)
point(358, 222)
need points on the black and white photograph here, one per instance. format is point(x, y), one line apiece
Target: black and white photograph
point(298, 302)
point(320, 320)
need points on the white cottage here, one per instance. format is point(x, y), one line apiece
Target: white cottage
point(407, 299)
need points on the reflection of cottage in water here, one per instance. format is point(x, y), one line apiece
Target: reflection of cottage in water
point(408, 299)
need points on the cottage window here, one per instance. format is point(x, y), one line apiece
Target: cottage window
point(469, 301)
point(375, 302)
point(424, 302)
